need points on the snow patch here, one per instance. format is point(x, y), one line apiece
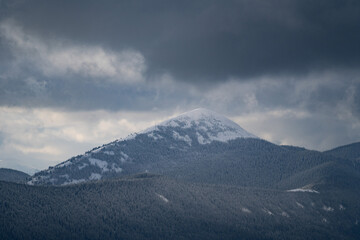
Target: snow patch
point(162, 198)
point(299, 204)
point(173, 123)
point(284, 214)
point(185, 138)
point(111, 153)
point(74, 181)
point(154, 136)
point(38, 179)
point(303, 190)
point(116, 168)
point(327, 209)
point(31, 182)
point(267, 211)
point(103, 165)
point(201, 139)
point(124, 157)
point(95, 176)
point(245, 210)
point(84, 165)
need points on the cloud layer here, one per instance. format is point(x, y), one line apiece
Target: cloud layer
point(210, 40)
point(77, 74)
point(37, 138)
point(60, 59)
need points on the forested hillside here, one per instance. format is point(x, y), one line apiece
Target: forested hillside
point(155, 207)
point(11, 175)
point(196, 176)
point(351, 151)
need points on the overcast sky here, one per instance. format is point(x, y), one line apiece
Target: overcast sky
point(78, 74)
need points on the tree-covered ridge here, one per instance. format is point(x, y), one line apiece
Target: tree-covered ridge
point(11, 175)
point(242, 162)
point(156, 207)
point(350, 151)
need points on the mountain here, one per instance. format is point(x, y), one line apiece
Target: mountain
point(150, 206)
point(198, 146)
point(350, 151)
point(155, 149)
point(195, 176)
point(10, 175)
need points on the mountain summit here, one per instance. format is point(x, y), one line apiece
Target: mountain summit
point(207, 125)
point(160, 147)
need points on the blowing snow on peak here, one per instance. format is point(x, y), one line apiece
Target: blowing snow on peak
point(207, 125)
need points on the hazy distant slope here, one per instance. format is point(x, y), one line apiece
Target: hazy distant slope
point(11, 175)
point(329, 175)
point(350, 151)
point(155, 207)
point(247, 162)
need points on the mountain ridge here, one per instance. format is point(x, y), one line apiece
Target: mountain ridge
point(349, 151)
point(194, 128)
point(173, 148)
point(11, 175)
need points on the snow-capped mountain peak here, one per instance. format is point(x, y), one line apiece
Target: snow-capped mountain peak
point(208, 125)
point(154, 149)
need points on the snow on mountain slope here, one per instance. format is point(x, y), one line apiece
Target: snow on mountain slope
point(147, 150)
point(208, 125)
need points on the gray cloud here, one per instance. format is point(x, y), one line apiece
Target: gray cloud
point(287, 71)
point(209, 40)
point(317, 112)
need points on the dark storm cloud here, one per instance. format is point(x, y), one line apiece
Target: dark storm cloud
point(209, 40)
point(197, 42)
point(78, 94)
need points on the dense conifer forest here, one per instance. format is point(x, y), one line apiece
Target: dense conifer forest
point(149, 206)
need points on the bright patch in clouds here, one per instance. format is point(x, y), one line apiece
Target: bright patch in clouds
point(55, 58)
point(38, 138)
point(294, 111)
point(276, 125)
